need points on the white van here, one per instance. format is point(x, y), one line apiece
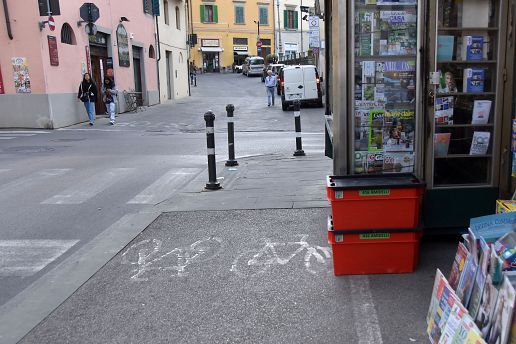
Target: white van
point(300, 83)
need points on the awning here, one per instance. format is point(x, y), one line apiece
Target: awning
point(211, 49)
point(241, 53)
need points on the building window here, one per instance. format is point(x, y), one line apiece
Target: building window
point(264, 16)
point(266, 41)
point(147, 6)
point(239, 41)
point(165, 12)
point(54, 7)
point(178, 19)
point(67, 36)
point(152, 52)
point(239, 14)
point(290, 19)
point(209, 14)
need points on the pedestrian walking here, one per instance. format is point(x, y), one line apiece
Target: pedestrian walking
point(270, 86)
point(109, 92)
point(88, 95)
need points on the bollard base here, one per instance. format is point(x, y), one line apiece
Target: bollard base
point(299, 153)
point(213, 186)
point(230, 163)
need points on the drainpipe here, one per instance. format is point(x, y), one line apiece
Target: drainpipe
point(7, 20)
point(187, 30)
point(158, 45)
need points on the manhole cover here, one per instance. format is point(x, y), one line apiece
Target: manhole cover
point(29, 149)
point(68, 140)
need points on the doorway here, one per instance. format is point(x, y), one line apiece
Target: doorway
point(211, 62)
point(99, 63)
point(168, 62)
point(137, 69)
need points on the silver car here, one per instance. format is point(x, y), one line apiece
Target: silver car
point(253, 66)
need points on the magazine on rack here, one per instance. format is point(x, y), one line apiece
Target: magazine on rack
point(466, 280)
point(492, 227)
point(398, 32)
point(398, 131)
point(467, 332)
point(396, 162)
point(472, 48)
point(443, 113)
point(366, 32)
point(441, 144)
point(445, 46)
point(481, 111)
point(400, 81)
point(511, 338)
point(376, 130)
point(473, 80)
point(363, 122)
point(453, 324)
point(458, 265)
point(396, 2)
point(480, 143)
point(480, 279)
point(487, 305)
point(367, 162)
point(502, 314)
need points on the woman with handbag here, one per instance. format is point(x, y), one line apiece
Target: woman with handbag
point(88, 95)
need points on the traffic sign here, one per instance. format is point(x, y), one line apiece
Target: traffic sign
point(51, 23)
point(91, 29)
point(259, 44)
point(89, 12)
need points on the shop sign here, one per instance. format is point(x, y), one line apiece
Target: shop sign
point(21, 75)
point(378, 192)
point(2, 90)
point(209, 42)
point(123, 46)
point(52, 50)
point(240, 48)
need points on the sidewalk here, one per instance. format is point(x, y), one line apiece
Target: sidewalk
point(189, 277)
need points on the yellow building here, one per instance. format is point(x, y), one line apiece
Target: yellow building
point(227, 31)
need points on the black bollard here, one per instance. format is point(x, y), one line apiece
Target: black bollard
point(195, 80)
point(212, 184)
point(230, 109)
point(297, 117)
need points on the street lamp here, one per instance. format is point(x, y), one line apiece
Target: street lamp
point(258, 48)
point(279, 30)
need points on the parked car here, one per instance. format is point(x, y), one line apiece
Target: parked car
point(253, 66)
point(275, 67)
point(300, 83)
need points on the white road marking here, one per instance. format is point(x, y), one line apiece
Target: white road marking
point(20, 185)
point(165, 186)
point(6, 138)
point(17, 134)
point(22, 258)
point(24, 132)
point(366, 321)
point(89, 187)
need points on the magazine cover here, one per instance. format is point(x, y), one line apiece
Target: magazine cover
point(480, 143)
point(398, 131)
point(502, 314)
point(511, 276)
point(396, 162)
point(452, 324)
point(446, 300)
point(492, 227)
point(366, 27)
point(400, 81)
point(481, 111)
point(480, 279)
point(362, 123)
point(443, 110)
point(441, 144)
point(398, 32)
point(473, 80)
point(466, 280)
point(458, 265)
point(374, 162)
point(445, 46)
point(472, 48)
point(487, 305)
point(439, 282)
point(466, 326)
point(376, 130)
point(447, 82)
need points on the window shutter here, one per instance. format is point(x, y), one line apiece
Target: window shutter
point(202, 14)
point(285, 19)
point(295, 19)
point(215, 14)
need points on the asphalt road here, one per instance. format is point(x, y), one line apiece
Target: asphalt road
point(59, 189)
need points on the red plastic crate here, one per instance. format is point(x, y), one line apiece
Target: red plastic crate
point(364, 202)
point(374, 252)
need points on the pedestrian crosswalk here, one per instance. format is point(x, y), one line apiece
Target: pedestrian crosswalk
point(67, 186)
point(13, 134)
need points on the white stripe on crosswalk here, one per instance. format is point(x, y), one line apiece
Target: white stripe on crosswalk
point(7, 137)
point(22, 258)
point(24, 132)
point(17, 135)
point(22, 184)
point(89, 188)
point(165, 186)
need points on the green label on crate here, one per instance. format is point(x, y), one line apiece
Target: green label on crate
point(369, 236)
point(379, 192)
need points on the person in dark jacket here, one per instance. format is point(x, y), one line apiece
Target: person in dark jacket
point(109, 93)
point(88, 95)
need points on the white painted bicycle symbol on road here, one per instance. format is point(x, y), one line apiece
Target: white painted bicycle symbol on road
point(255, 262)
point(148, 258)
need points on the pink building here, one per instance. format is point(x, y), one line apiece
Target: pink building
point(40, 70)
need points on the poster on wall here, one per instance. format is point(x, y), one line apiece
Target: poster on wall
point(88, 61)
point(2, 91)
point(52, 51)
point(21, 75)
point(123, 46)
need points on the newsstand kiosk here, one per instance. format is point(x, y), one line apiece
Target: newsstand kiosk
point(417, 94)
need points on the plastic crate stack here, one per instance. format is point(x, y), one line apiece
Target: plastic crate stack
point(374, 224)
